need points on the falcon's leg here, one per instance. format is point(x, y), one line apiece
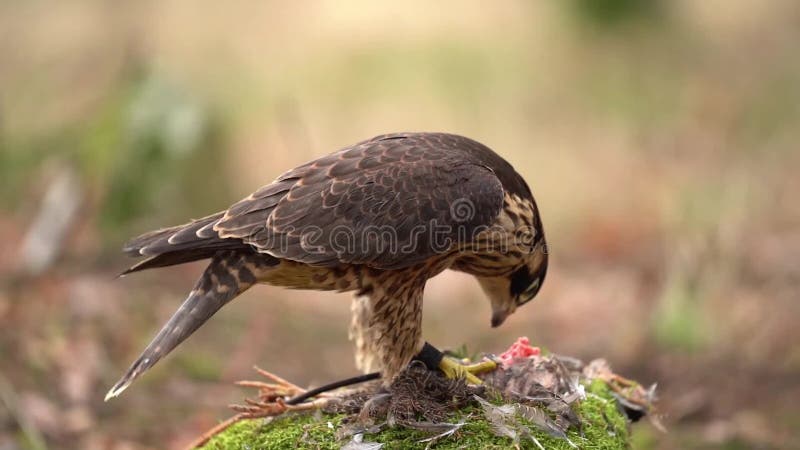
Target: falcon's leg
point(362, 335)
point(435, 359)
point(388, 329)
point(394, 333)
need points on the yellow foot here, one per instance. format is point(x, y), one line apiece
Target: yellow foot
point(454, 369)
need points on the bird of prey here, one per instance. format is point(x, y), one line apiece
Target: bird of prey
point(378, 218)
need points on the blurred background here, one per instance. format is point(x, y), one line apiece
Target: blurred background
point(660, 139)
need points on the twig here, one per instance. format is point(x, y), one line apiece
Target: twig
point(335, 385)
point(271, 403)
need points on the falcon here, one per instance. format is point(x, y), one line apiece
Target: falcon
point(378, 218)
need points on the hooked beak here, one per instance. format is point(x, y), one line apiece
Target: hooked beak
point(498, 317)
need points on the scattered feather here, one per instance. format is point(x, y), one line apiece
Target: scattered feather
point(357, 443)
point(501, 418)
point(526, 433)
point(540, 418)
point(507, 421)
point(445, 430)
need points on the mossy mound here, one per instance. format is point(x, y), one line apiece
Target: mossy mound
point(604, 427)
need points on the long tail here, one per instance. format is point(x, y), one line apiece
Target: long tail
point(229, 274)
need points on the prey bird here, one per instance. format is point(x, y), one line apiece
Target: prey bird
point(378, 218)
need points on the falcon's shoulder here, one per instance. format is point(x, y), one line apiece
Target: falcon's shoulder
point(389, 202)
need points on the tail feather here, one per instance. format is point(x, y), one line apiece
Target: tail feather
point(169, 259)
point(229, 274)
point(186, 236)
point(184, 256)
point(192, 241)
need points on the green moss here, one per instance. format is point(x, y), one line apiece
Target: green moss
point(292, 431)
point(604, 427)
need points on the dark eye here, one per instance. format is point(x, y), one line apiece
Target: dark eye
point(525, 285)
point(520, 281)
point(531, 291)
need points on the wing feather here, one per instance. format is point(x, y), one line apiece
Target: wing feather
point(379, 202)
point(385, 197)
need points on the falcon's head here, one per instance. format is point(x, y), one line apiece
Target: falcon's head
point(507, 293)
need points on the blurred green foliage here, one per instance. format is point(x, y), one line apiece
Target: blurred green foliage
point(168, 149)
point(678, 322)
point(608, 13)
point(151, 147)
point(203, 366)
point(772, 112)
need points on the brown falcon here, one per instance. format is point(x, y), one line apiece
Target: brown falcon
point(378, 218)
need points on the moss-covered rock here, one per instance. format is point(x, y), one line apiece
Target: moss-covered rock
point(604, 427)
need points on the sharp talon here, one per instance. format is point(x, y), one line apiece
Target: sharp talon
point(454, 369)
point(482, 367)
point(473, 379)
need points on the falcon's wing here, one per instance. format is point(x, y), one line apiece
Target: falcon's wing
point(390, 202)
